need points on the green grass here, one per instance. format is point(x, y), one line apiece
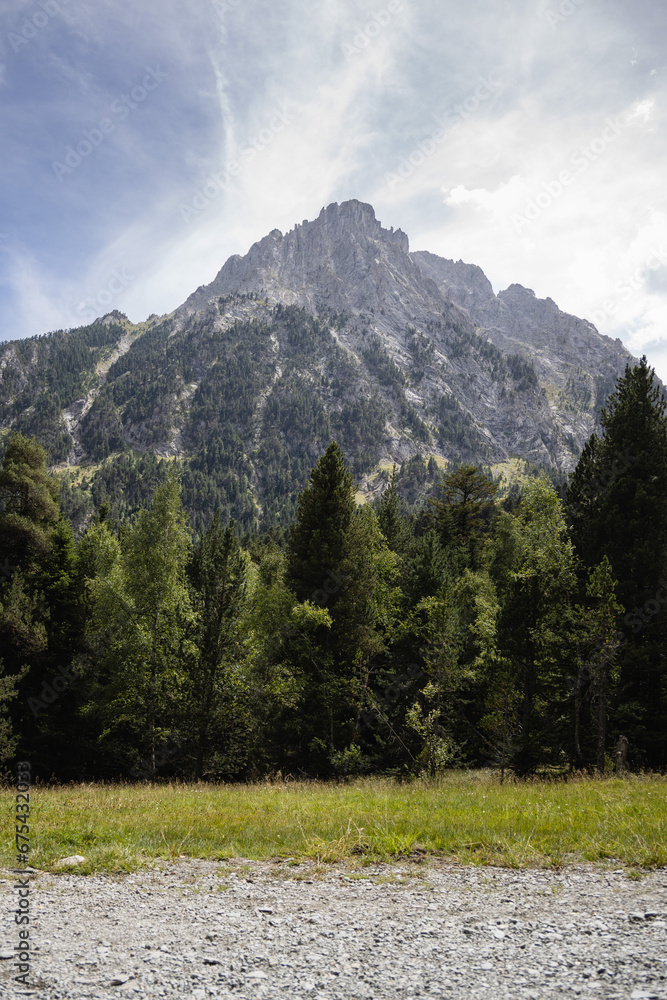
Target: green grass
point(464, 816)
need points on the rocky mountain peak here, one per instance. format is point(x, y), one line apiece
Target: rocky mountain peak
point(335, 258)
point(357, 219)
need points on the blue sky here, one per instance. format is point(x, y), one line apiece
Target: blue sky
point(144, 143)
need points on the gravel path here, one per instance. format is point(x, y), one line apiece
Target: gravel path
point(199, 929)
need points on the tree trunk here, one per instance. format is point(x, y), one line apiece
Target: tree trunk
point(602, 715)
point(577, 717)
point(621, 751)
point(152, 700)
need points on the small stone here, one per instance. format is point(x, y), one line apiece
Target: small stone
point(74, 859)
point(636, 917)
point(212, 961)
point(257, 975)
point(264, 909)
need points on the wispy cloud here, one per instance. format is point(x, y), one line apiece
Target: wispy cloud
point(365, 84)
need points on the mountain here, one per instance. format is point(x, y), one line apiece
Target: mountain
point(333, 329)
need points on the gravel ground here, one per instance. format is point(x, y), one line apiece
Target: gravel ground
point(198, 929)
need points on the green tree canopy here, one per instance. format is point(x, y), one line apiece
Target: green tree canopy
point(28, 501)
point(617, 507)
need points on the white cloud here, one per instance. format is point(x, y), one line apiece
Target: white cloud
point(363, 101)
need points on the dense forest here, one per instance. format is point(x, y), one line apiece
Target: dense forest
point(526, 632)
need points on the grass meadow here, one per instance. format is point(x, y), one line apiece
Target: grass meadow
point(464, 816)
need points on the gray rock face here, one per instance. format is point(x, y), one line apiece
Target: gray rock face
point(347, 262)
point(344, 260)
point(559, 345)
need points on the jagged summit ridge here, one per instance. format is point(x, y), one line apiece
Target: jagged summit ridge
point(336, 257)
point(345, 262)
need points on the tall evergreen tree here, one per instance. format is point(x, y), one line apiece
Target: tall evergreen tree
point(618, 509)
point(535, 624)
point(391, 517)
point(462, 511)
point(29, 626)
point(330, 563)
point(319, 555)
point(28, 502)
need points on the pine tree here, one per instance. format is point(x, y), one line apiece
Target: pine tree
point(391, 517)
point(319, 554)
point(28, 502)
point(463, 509)
point(535, 623)
point(618, 509)
point(425, 567)
point(599, 628)
point(28, 525)
point(330, 563)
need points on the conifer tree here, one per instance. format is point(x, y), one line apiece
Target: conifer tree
point(535, 623)
point(330, 563)
point(463, 509)
point(319, 554)
point(391, 518)
point(617, 505)
point(28, 502)
point(29, 514)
